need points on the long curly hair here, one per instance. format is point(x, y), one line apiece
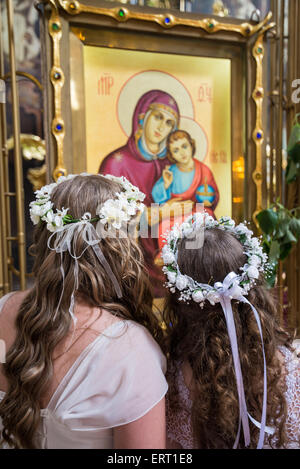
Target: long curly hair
point(43, 320)
point(200, 338)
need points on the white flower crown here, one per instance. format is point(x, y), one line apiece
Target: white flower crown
point(113, 212)
point(235, 285)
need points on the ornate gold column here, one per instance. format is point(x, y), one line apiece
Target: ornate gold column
point(18, 167)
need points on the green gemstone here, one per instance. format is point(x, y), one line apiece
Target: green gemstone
point(259, 50)
point(55, 27)
point(121, 13)
point(211, 25)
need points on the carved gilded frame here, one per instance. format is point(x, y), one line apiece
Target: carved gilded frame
point(99, 23)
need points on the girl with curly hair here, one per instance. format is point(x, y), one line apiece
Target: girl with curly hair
point(234, 381)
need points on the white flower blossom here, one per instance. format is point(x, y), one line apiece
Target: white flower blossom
point(39, 209)
point(181, 282)
point(51, 227)
point(242, 229)
point(34, 218)
point(168, 257)
point(49, 217)
point(235, 291)
point(254, 260)
point(252, 272)
point(213, 297)
point(229, 223)
point(198, 296)
point(45, 191)
point(254, 243)
point(171, 276)
point(58, 221)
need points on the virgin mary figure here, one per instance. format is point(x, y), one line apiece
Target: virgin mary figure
point(142, 159)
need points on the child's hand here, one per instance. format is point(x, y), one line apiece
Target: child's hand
point(176, 207)
point(167, 177)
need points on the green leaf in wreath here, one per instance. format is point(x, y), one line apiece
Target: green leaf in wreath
point(267, 220)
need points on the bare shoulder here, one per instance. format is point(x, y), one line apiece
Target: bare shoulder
point(107, 319)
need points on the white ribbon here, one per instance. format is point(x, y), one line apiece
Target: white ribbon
point(63, 242)
point(227, 291)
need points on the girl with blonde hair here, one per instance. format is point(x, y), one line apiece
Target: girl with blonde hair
point(83, 368)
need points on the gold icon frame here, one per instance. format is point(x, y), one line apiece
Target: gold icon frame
point(93, 22)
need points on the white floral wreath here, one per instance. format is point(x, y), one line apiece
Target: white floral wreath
point(113, 212)
point(234, 285)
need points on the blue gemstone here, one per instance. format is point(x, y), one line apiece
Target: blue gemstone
point(59, 127)
point(167, 20)
point(259, 135)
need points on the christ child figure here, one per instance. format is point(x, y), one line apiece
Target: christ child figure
point(185, 179)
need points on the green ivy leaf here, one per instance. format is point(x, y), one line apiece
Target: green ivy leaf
point(266, 245)
point(274, 252)
point(285, 250)
point(295, 227)
point(294, 152)
point(271, 278)
point(283, 227)
point(267, 220)
point(291, 171)
point(289, 237)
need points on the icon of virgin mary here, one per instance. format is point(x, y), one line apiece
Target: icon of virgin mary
point(142, 159)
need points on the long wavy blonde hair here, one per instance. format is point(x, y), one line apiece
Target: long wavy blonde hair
point(200, 338)
point(29, 368)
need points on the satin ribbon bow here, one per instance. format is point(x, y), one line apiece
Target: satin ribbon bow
point(228, 290)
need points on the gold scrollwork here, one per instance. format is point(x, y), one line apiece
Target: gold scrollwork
point(258, 134)
point(57, 79)
point(166, 20)
point(37, 177)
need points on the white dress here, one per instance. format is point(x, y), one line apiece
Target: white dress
point(116, 380)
